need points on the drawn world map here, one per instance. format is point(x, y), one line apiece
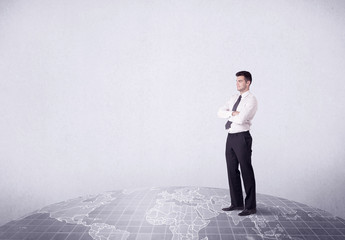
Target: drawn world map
point(177, 213)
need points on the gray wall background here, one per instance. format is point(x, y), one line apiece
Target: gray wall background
point(105, 95)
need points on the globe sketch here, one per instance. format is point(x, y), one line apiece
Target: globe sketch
point(173, 213)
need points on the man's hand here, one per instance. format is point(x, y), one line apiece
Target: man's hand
point(235, 113)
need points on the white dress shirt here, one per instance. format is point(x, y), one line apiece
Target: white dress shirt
point(247, 108)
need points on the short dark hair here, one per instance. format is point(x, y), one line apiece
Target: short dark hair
point(246, 75)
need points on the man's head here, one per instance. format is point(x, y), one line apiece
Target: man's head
point(243, 81)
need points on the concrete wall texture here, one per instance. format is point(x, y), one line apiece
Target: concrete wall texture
point(104, 95)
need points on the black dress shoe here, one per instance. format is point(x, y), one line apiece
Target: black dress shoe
point(247, 212)
point(232, 208)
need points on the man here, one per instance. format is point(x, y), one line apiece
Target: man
point(240, 111)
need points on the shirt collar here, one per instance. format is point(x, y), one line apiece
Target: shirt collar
point(245, 94)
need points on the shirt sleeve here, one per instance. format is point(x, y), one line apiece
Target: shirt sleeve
point(247, 112)
point(224, 111)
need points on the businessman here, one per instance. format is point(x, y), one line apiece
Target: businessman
point(239, 112)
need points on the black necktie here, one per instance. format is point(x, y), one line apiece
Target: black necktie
point(234, 108)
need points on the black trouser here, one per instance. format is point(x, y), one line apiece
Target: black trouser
point(239, 152)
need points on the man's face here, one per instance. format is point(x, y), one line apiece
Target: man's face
point(241, 84)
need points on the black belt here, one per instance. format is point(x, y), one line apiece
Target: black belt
point(239, 133)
